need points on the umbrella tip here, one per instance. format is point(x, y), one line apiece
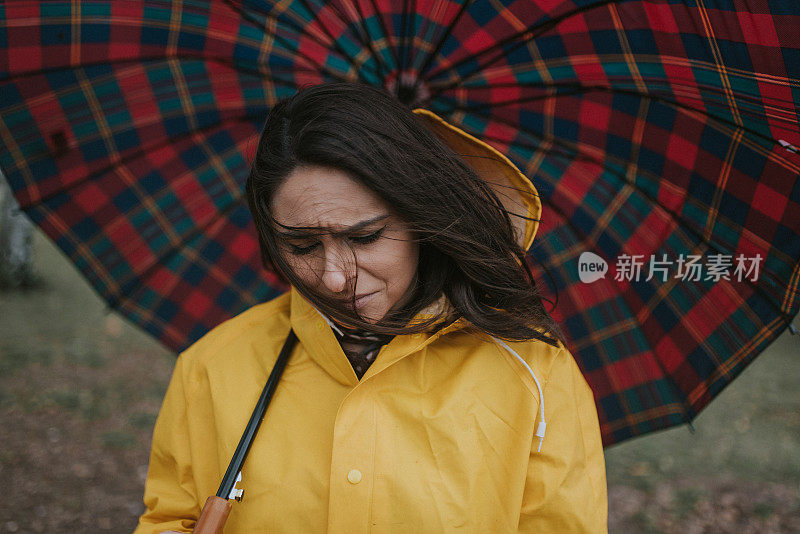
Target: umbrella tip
point(406, 95)
point(408, 88)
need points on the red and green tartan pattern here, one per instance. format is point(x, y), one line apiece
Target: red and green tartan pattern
point(651, 128)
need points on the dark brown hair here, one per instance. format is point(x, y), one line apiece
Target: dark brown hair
point(468, 250)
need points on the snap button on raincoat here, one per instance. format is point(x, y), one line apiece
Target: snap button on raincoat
point(438, 435)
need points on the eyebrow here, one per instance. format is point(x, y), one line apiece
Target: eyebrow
point(298, 232)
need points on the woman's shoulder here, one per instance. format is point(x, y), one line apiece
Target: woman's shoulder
point(538, 355)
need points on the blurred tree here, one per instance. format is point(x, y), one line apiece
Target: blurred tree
point(16, 258)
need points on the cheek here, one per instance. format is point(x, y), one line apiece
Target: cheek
point(401, 266)
point(411, 262)
point(303, 267)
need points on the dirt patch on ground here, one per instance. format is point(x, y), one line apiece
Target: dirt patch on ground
point(694, 506)
point(76, 443)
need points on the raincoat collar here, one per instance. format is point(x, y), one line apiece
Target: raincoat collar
point(315, 334)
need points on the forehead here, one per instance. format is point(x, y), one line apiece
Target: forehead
point(313, 196)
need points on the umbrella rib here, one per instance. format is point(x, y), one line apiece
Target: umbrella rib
point(364, 38)
point(423, 27)
point(257, 24)
point(357, 68)
point(459, 81)
point(412, 35)
point(379, 16)
point(528, 34)
point(403, 38)
point(440, 43)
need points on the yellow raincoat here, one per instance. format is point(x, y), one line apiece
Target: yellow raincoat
point(439, 435)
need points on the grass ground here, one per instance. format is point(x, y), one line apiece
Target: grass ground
point(80, 389)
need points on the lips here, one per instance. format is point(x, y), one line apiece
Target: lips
point(359, 301)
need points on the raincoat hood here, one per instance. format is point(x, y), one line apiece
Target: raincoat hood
point(512, 187)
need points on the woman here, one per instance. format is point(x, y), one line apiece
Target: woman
point(414, 400)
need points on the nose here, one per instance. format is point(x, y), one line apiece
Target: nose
point(336, 275)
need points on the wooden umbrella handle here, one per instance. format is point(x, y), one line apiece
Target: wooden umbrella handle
point(213, 517)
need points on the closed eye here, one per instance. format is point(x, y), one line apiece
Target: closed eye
point(299, 251)
point(367, 239)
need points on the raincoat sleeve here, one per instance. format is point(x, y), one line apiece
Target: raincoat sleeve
point(565, 489)
point(170, 494)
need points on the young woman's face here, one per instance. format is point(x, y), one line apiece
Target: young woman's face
point(343, 241)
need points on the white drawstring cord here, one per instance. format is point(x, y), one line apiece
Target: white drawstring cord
point(542, 425)
point(330, 323)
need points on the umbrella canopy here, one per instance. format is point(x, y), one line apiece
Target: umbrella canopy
point(661, 136)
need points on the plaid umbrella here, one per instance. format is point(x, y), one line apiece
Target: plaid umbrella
point(662, 136)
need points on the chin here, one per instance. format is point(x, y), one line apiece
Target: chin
point(373, 316)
